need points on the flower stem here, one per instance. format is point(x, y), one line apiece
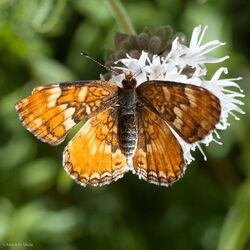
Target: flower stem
point(121, 16)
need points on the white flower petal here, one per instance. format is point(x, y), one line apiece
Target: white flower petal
point(206, 59)
point(195, 37)
point(202, 35)
point(206, 48)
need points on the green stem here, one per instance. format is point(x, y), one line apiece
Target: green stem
point(121, 16)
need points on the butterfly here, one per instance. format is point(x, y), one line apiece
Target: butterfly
point(128, 128)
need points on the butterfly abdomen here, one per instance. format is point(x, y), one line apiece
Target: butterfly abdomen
point(127, 126)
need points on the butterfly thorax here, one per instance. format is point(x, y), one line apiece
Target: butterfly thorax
point(127, 126)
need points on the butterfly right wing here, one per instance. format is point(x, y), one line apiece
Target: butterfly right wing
point(191, 111)
point(53, 109)
point(158, 158)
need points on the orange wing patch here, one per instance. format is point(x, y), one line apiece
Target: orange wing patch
point(93, 156)
point(53, 109)
point(190, 110)
point(158, 158)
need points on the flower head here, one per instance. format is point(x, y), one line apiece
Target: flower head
point(184, 64)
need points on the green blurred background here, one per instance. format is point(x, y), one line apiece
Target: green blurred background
point(41, 206)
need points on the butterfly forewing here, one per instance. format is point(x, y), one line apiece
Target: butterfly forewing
point(190, 110)
point(94, 156)
point(158, 158)
point(53, 109)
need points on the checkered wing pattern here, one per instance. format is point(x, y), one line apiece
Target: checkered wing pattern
point(158, 158)
point(53, 109)
point(94, 156)
point(190, 110)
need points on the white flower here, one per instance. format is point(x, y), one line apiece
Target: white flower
point(195, 54)
point(136, 66)
point(172, 68)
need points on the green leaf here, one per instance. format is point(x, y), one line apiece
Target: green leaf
point(48, 15)
point(236, 228)
point(95, 10)
point(49, 70)
point(38, 175)
point(24, 219)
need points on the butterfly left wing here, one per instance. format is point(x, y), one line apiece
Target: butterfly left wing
point(190, 110)
point(158, 158)
point(53, 109)
point(94, 156)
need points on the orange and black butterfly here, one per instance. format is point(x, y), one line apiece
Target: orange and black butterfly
point(128, 128)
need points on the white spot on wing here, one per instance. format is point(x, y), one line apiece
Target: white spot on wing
point(93, 146)
point(95, 176)
point(178, 123)
point(38, 122)
point(107, 149)
point(55, 90)
point(69, 123)
point(166, 94)
point(82, 94)
point(178, 112)
point(88, 110)
point(191, 96)
point(69, 112)
point(54, 94)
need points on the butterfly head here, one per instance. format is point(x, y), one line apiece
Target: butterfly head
point(129, 81)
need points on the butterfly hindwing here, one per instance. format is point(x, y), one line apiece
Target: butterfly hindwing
point(94, 156)
point(190, 110)
point(53, 109)
point(158, 158)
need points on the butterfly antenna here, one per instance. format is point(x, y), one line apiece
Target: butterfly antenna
point(94, 60)
point(139, 71)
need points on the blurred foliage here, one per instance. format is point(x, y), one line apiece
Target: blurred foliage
point(209, 208)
